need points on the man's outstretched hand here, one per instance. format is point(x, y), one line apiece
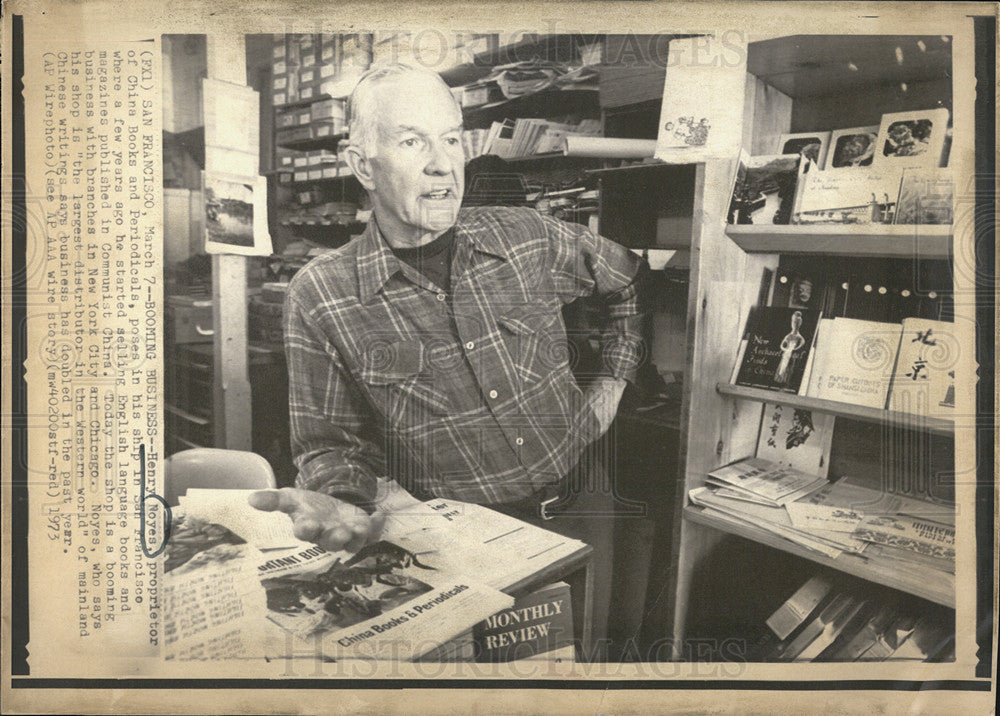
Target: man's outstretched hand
point(331, 523)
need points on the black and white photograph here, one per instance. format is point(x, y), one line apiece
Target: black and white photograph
point(854, 147)
point(810, 145)
point(438, 359)
point(912, 138)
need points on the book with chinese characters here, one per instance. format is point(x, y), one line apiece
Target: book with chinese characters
point(778, 348)
point(852, 361)
point(796, 437)
point(923, 381)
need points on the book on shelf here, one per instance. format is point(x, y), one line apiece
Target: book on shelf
point(796, 437)
point(923, 380)
point(797, 608)
point(925, 197)
point(838, 619)
point(766, 188)
point(777, 348)
point(852, 361)
point(824, 629)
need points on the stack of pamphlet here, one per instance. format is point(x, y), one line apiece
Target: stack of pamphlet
point(831, 518)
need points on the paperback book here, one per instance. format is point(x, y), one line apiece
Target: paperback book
point(778, 346)
point(852, 361)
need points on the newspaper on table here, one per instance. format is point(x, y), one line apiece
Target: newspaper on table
point(238, 582)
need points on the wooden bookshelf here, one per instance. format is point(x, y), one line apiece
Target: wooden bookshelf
point(939, 426)
point(933, 585)
point(875, 240)
point(806, 83)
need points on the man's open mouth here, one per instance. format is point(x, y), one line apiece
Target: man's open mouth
point(438, 194)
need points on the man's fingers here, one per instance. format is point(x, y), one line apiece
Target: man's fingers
point(306, 529)
point(375, 525)
point(334, 539)
point(266, 500)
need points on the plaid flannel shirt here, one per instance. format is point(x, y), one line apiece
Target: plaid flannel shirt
point(468, 396)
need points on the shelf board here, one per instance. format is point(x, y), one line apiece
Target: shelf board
point(323, 180)
point(352, 227)
point(304, 145)
point(939, 426)
point(875, 240)
point(935, 586)
point(547, 103)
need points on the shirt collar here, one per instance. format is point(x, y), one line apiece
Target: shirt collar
point(377, 264)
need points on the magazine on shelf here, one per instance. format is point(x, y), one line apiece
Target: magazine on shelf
point(852, 361)
point(765, 481)
point(926, 196)
point(766, 188)
point(796, 437)
point(778, 348)
point(923, 380)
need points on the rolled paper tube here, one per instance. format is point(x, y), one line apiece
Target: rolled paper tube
point(578, 145)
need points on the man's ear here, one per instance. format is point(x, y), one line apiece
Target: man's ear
point(360, 166)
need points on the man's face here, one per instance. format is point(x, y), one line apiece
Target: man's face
point(418, 169)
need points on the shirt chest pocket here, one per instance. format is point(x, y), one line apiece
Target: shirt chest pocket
point(401, 384)
point(536, 340)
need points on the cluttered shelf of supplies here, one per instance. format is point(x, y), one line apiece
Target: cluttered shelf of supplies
point(834, 428)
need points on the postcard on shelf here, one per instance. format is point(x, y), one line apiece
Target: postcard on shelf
point(796, 437)
point(852, 148)
point(853, 360)
point(235, 218)
point(777, 349)
point(812, 145)
point(697, 121)
point(923, 380)
point(766, 189)
point(837, 196)
point(912, 139)
point(926, 196)
point(928, 538)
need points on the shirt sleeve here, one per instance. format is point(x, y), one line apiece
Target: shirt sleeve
point(327, 417)
point(584, 264)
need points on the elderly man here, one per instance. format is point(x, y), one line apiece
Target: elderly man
point(432, 350)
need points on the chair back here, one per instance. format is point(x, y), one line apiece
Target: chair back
point(215, 468)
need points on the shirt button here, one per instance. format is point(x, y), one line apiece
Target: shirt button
point(519, 441)
point(493, 394)
point(441, 296)
point(469, 346)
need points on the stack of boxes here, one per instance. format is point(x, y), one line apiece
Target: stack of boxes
point(312, 75)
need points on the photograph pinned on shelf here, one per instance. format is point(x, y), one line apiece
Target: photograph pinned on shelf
point(235, 214)
point(912, 139)
point(852, 147)
point(811, 145)
point(765, 189)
